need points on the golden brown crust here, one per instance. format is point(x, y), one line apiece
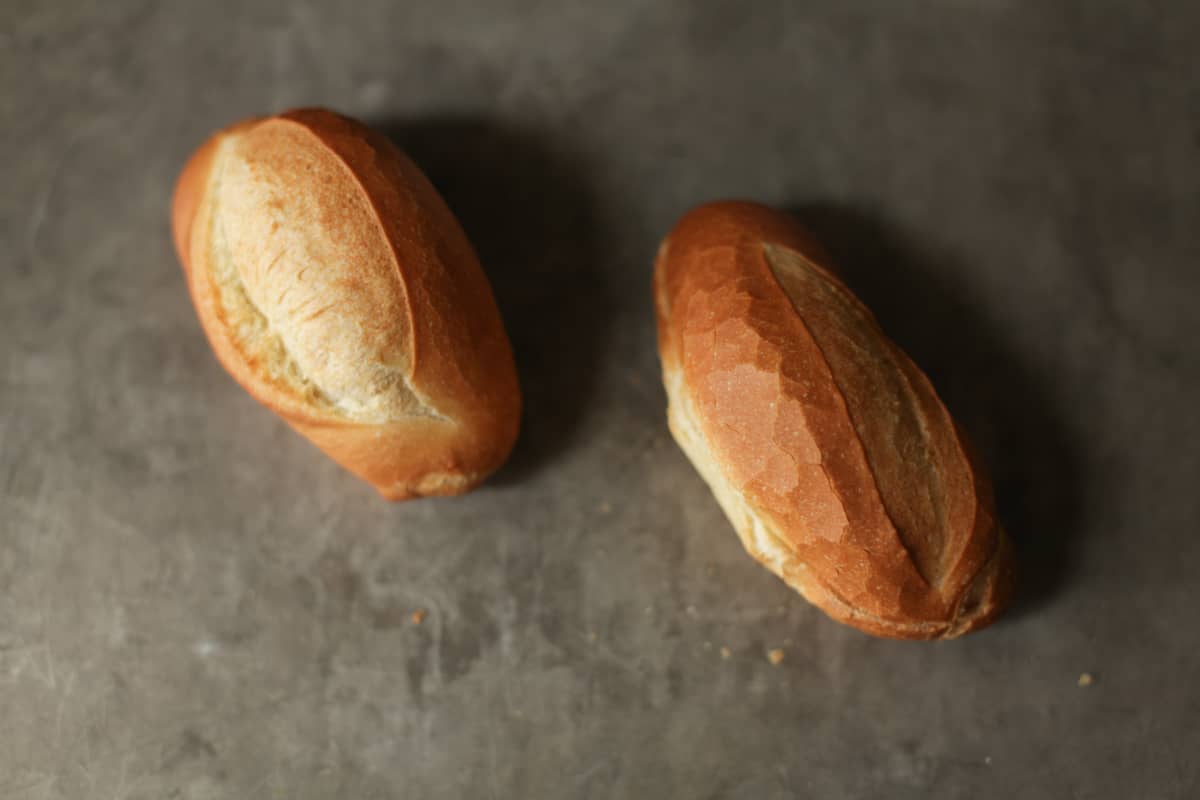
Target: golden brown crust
point(826, 446)
point(338, 289)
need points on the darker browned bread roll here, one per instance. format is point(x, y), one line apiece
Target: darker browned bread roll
point(828, 449)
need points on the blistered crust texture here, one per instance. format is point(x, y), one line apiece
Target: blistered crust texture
point(827, 448)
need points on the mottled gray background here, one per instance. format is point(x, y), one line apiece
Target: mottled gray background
point(194, 603)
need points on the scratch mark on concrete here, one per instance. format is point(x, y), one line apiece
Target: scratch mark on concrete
point(492, 781)
point(37, 660)
point(114, 524)
point(60, 710)
point(124, 785)
point(435, 651)
point(38, 218)
point(607, 654)
point(586, 775)
point(86, 768)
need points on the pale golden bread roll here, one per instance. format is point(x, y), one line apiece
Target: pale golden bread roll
point(827, 448)
point(338, 289)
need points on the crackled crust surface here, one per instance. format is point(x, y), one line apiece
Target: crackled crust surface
point(827, 448)
point(338, 289)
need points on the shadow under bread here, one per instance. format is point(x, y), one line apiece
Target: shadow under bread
point(524, 203)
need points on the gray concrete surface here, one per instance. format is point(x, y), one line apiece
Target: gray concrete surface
point(195, 604)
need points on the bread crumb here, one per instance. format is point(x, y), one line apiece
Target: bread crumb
point(605, 507)
point(726, 652)
point(775, 656)
point(1085, 679)
point(417, 616)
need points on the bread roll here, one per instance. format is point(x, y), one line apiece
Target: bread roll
point(338, 289)
point(827, 448)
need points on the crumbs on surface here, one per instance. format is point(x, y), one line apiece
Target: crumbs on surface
point(775, 656)
point(1085, 679)
point(417, 616)
point(726, 652)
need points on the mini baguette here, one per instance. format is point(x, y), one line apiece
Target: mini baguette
point(827, 448)
point(338, 289)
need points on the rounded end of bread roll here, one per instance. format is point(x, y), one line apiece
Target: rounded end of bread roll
point(337, 288)
point(827, 448)
point(990, 593)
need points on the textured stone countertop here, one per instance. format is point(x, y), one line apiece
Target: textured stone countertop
point(194, 603)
